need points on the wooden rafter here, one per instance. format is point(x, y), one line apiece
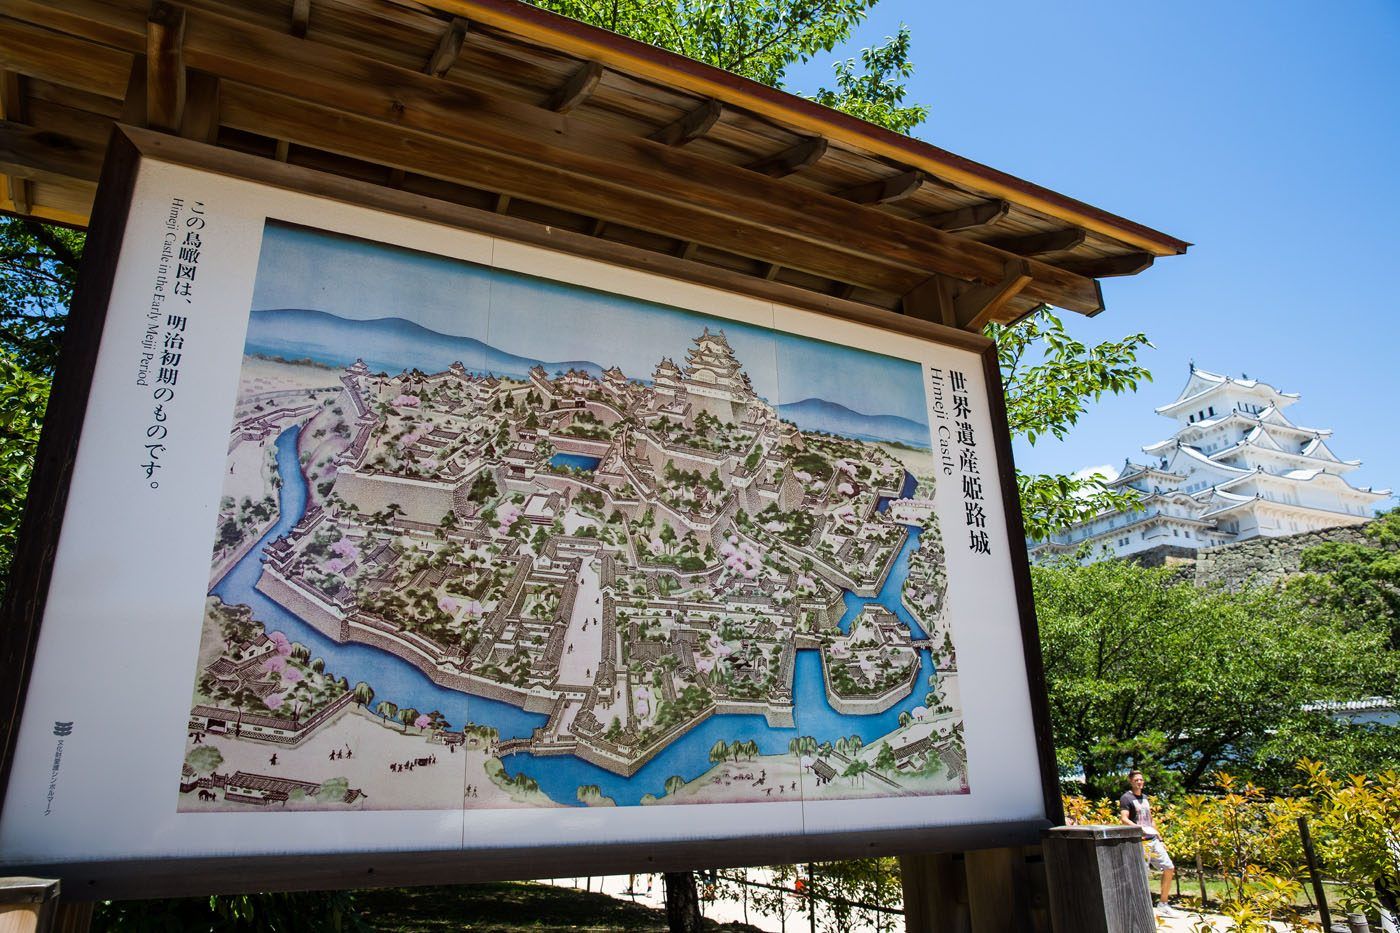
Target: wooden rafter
point(338, 101)
point(449, 48)
point(793, 159)
point(165, 67)
point(1038, 244)
point(885, 190)
point(691, 126)
point(1108, 266)
point(577, 89)
point(965, 218)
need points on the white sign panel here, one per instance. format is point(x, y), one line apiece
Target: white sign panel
point(386, 536)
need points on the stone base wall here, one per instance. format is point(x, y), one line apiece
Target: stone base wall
point(1264, 561)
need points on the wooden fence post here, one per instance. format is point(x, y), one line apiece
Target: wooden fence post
point(1098, 880)
point(931, 886)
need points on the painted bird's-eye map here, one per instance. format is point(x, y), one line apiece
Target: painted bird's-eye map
point(489, 540)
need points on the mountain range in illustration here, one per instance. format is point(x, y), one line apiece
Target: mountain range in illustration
point(391, 343)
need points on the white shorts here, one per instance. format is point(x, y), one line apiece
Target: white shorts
point(1157, 855)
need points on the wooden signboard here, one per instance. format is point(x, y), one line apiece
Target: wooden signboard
point(380, 540)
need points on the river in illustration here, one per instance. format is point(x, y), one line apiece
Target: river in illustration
point(400, 682)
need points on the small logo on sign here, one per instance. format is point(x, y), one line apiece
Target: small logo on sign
point(62, 729)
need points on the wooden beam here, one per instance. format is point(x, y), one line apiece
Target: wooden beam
point(771, 272)
point(43, 156)
point(793, 159)
point(885, 190)
point(688, 250)
point(965, 218)
point(283, 150)
point(976, 306)
point(60, 59)
point(354, 99)
point(502, 204)
point(577, 89)
point(1038, 244)
point(691, 126)
point(1124, 264)
point(301, 17)
point(449, 48)
point(165, 67)
point(12, 109)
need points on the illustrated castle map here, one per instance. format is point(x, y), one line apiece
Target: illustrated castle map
point(496, 582)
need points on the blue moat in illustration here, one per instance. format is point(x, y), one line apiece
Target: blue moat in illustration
point(399, 681)
point(575, 461)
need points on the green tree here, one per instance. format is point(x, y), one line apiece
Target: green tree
point(1145, 670)
point(1361, 582)
point(204, 759)
point(719, 751)
point(364, 694)
point(674, 783)
point(23, 396)
point(1050, 378)
point(38, 267)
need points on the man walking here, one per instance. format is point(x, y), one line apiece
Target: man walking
point(1134, 809)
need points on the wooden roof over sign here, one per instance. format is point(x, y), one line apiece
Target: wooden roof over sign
point(501, 108)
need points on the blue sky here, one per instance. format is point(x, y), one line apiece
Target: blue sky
point(1268, 134)
point(533, 317)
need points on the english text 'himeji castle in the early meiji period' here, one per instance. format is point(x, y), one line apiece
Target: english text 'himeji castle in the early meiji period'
point(1236, 468)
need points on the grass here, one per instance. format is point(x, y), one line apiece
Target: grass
point(508, 907)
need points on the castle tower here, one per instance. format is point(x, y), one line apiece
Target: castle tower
point(1236, 468)
point(714, 380)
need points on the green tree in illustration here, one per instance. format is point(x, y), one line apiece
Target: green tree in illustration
point(674, 783)
point(884, 758)
point(364, 694)
point(387, 710)
point(719, 751)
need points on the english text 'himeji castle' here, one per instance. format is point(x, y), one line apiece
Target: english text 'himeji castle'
point(1236, 468)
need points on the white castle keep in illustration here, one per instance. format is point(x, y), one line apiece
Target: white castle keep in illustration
point(1236, 468)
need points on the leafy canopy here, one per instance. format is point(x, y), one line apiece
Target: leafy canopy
point(1146, 670)
point(1359, 580)
point(1050, 378)
point(38, 266)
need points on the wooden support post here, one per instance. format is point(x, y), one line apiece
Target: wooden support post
point(976, 306)
point(932, 885)
point(165, 67)
point(1098, 880)
point(12, 109)
point(301, 17)
point(27, 905)
point(201, 121)
point(998, 891)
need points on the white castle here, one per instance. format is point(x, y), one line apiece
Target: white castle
point(1235, 469)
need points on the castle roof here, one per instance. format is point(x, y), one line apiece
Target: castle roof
point(1203, 385)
